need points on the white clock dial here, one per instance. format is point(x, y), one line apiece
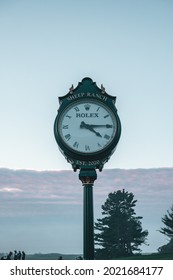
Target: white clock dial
point(87, 126)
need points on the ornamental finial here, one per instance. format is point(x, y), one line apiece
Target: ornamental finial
point(71, 89)
point(103, 89)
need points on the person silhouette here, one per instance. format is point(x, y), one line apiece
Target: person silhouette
point(9, 256)
point(19, 255)
point(15, 255)
point(23, 255)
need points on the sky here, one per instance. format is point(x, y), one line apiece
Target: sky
point(46, 46)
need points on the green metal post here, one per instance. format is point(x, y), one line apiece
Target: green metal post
point(88, 223)
point(88, 176)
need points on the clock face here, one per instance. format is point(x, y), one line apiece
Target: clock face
point(87, 126)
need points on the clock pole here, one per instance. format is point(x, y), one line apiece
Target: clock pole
point(88, 176)
point(87, 130)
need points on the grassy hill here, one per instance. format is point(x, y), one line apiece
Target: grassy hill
point(55, 256)
point(51, 256)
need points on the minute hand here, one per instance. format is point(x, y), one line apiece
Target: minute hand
point(101, 125)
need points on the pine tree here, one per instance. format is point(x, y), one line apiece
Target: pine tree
point(119, 232)
point(168, 231)
point(168, 222)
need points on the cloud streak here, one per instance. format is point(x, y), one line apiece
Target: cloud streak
point(9, 189)
point(150, 186)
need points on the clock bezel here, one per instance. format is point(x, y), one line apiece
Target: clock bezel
point(74, 154)
point(71, 106)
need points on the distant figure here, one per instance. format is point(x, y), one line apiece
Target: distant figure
point(60, 258)
point(19, 255)
point(9, 256)
point(15, 255)
point(23, 255)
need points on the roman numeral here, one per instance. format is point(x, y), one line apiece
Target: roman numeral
point(76, 108)
point(67, 137)
point(65, 127)
point(67, 116)
point(106, 116)
point(107, 137)
point(76, 145)
point(87, 148)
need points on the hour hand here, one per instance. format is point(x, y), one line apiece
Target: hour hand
point(89, 127)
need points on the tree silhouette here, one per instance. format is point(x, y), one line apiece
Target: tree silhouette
point(168, 231)
point(168, 222)
point(119, 232)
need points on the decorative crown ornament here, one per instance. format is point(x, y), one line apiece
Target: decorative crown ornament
point(87, 107)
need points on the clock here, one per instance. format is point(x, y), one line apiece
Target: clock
point(87, 127)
